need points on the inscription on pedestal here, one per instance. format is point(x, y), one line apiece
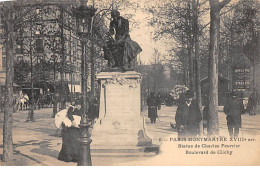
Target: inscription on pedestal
point(118, 102)
point(120, 122)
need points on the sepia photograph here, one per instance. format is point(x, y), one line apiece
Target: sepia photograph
point(129, 83)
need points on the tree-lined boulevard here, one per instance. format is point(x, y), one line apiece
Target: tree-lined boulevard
point(80, 52)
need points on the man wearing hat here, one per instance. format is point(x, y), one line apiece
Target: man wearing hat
point(152, 107)
point(188, 116)
point(233, 109)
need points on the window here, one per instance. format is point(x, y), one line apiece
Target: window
point(19, 49)
point(39, 46)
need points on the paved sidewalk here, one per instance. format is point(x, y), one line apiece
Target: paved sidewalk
point(38, 143)
point(161, 129)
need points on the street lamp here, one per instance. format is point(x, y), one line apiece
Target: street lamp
point(84, 16)
point(37, 34)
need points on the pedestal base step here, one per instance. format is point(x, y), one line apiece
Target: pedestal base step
point(123, 155)
point(125, 151)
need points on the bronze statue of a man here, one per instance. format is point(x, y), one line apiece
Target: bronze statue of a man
point(121, 51)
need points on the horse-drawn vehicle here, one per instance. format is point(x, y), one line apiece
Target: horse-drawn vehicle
point(16, 90)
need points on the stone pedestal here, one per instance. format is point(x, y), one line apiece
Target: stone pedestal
point(120, 123)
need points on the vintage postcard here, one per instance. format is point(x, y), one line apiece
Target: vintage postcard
point(130, 83)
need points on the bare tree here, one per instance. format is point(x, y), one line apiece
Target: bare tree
point(215, 8)
point(8, 108)
point(197, 59)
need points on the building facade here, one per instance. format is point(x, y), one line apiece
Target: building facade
point(46, 33)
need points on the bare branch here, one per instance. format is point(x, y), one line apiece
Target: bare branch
point(17, 20)
point(204, 26)
point(230, 9)
point(224, 3)
point(220, 15)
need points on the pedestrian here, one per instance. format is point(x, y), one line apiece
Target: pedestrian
point(188, 116)
point(169, 100)
point(205, 116)
point(252, 103)
point(233, 109)
point(159, 101)
point(152, 107)
point(93, 109)
point(70, 134)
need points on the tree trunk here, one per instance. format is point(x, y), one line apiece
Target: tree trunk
point(215, 7)
point(190, 49)
point(213, 125)
point(231, 60)
point(1, 94)
point(197, 60)
point(63, 59)
point(254, 54)
point(8, 108)
point(30, 117)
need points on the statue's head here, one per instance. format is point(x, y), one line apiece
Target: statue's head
point(115, 14)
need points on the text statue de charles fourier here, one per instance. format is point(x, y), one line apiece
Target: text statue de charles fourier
point(121, 51)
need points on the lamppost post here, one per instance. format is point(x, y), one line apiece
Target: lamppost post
point(54, 112)
point(30, 116)
point(84, 15)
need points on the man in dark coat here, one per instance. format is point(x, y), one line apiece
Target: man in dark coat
point(188, 117)
point(159, 101)
point(152, 107)
point(93, 109)
point(252, 103)
point(234, 108)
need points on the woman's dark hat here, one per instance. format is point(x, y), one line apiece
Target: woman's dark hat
point(77, 102)
point(189, 94)
point(115, 13)
point(152, 94)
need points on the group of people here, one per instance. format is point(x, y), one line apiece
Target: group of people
point(188, 115)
